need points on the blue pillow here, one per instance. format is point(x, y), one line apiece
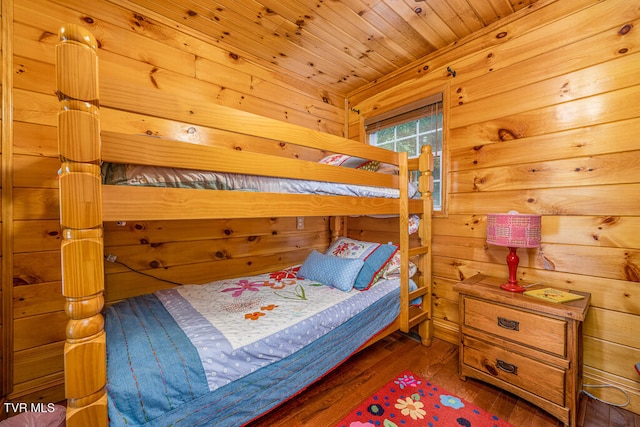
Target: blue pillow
point(375, 257)
point(339, 273)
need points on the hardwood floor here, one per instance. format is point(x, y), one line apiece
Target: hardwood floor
point(327, 401)
point(595, 414)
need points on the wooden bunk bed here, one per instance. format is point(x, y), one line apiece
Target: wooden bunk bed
point(85, 203)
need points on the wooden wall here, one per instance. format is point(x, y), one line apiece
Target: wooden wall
point(543, 116)
point(148, 67)
point(5, 303)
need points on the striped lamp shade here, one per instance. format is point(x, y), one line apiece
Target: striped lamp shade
point(514, 230)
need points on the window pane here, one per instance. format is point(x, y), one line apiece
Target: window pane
point(429, 139)
point(406, 129)
point(437, 199)
point(385, 135)
point(387, 146)
point(426, 124)
point(436, 167)
point(408, 145)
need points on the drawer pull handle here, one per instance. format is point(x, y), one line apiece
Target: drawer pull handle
point(512, 325)
point(507, 367)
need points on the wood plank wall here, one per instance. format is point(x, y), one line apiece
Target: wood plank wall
point(5, 303)
point(543, 116)
point(148, 67)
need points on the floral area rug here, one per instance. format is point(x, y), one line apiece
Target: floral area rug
point(411, 401)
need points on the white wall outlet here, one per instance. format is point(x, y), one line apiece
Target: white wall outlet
point(300, 223)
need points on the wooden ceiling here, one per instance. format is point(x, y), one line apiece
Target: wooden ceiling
point(338, 45)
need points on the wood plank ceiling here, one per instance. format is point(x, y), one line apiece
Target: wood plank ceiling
point(337, 45)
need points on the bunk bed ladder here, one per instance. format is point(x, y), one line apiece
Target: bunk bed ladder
point(419, 316)
point(82, 230)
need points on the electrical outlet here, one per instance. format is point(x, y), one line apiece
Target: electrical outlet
point(300, 223)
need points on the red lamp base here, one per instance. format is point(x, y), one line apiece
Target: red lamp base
point(512, 262)
point(512, 287)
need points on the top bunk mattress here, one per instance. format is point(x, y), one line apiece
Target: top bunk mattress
point(153, 176)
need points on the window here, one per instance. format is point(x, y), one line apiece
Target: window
point(408, 129)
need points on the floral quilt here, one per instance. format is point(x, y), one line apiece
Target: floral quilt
point(241, 325)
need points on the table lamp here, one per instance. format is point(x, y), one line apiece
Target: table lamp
point(513, 230)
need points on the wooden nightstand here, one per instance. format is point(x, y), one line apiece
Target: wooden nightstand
point(527, 346)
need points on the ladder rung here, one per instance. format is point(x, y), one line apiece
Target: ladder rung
point(419, 318)
point(418, 293)
point(420, 250)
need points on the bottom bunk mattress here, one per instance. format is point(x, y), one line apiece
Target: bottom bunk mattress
point(226, 352)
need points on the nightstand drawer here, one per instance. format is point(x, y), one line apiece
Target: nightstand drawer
point(542, 332)
point(523, 372)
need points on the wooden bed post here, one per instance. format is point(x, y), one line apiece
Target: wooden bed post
point(82, 230)
point(338, 226)
point(425, 186)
